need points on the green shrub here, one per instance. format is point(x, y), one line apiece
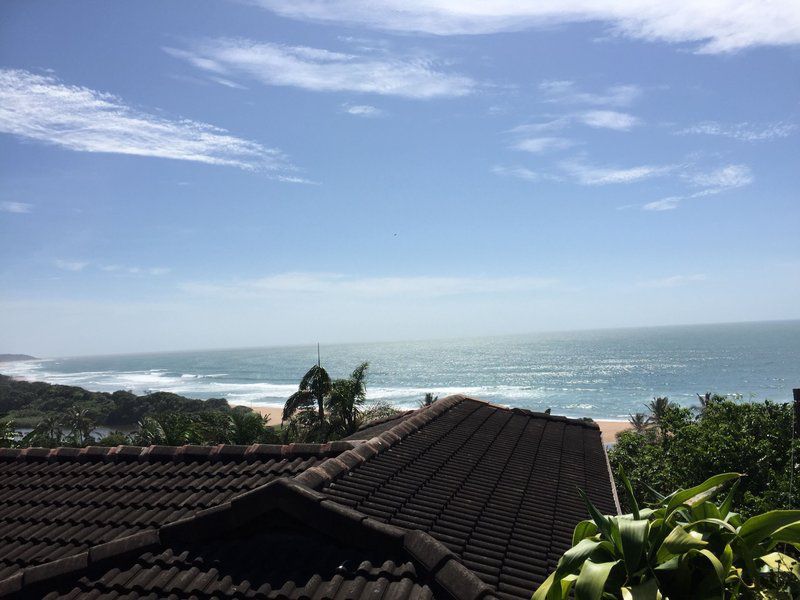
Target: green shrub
point(29, 402)
point(683, 547)
point(682, 446)
point(114, 438)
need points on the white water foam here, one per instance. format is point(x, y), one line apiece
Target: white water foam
point(266, 393)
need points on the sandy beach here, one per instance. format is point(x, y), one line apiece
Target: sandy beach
point(273, 412)
point(609, 429)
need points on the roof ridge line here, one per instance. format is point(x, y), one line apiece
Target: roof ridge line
point(583, 421)
point(186, 452)
point(381, 420)
point(320, 475)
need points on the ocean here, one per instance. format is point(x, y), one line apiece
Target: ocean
point(601, 374)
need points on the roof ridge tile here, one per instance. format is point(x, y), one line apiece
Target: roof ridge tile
point(319, 476)
point(185, 452)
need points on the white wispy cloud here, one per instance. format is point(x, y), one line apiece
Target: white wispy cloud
point(41, 108)
point(71, 265)
point(567, 92)
point(128, 270)
point(334, 284)
point(608, 119)
point(747, 132)
point(543, 144)
point(15, 207)
point(597, 119)
point(723, 178)
point(586, 174)
point(713, 182)
point(362, 110)
point(714, 27)
point(318, 69)
point(519, 172)
point(669, 203)
point(674, 281)
point(582, 173)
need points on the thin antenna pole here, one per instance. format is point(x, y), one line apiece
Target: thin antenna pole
point(319, 362)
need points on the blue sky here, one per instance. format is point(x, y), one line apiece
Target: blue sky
point(195, 175)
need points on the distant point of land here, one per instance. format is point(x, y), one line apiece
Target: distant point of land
point(15, 357)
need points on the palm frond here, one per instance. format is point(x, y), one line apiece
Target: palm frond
point(302, 399)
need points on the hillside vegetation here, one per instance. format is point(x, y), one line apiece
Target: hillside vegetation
point(27, 403)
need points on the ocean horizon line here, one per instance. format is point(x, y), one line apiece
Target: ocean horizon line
point(479, 337)
point(605, 374)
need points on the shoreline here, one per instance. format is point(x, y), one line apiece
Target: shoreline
point(608, 428)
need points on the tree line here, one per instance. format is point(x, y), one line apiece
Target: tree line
point(323, 409)
point(671, 445)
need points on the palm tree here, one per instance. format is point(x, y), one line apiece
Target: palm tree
point(314, 387)
point(148, 432)
point(640, 422)
point(248, 427)
point(345, 398)
point(46, 434)
point(428, 399)
point(81, 425)
point(658, 410)
point(168, 429)
point(176, 428)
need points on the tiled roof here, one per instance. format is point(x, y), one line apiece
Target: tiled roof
point(264, 544)
point(498, 487)
point(378, 426)
point(459, 500)
point(59, 502)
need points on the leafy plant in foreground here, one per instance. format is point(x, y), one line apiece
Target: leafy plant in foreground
point(682, 547)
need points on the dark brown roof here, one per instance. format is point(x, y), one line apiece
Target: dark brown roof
point(57, 503)
point(498, 487)
point(267, 543)
point(378, 426)
point(459, 500)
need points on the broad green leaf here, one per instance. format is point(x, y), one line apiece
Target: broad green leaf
point(629, 493)
point(719, 568)
point(673, 564)
point(615, 538)
point(644, 591)
point(592, 580)
point(633, 537)
point(542, 592)
point(601, 521)
point(718, 522)
point(777, 561)
point(554, 587)
point(566, 584)
point(583, 530)
point(789, 534)
point(700, 492)
point(576, 556)
point(763, 526)
point(727, 558)
point(677, 542)
point(705, 510)
point(725, 507)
